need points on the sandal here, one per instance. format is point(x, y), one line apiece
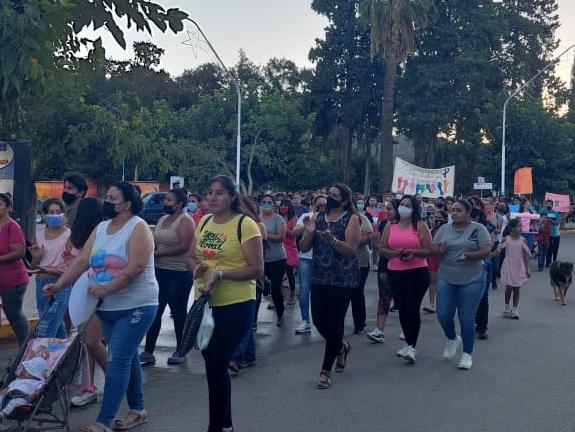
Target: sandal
point(96, 427)
point(324, 380)
point(342, 357)
point(133, 419)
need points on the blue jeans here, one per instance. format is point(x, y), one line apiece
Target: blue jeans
point(542, 254)
point(246, 349)
point(482, 315)
point(464, 298)
point(123, 330)
point(304, 272)
point(52, 324)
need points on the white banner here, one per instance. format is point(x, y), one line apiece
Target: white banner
point(409, 179)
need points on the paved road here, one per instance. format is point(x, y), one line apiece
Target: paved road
point(522, 378)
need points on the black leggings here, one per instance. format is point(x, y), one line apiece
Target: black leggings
point(291, 278)
point(231, 324)
point(274, 271)
point(174, 290)
point(328, 308)
point(409, 288)
point(358, 300)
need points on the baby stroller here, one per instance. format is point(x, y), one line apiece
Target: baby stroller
point(49, 408)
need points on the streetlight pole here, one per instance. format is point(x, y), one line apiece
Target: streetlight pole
point(511, 96)
point(236, 82)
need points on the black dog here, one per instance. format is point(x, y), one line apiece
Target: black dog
point(561, 274)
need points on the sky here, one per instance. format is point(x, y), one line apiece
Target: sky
point(266, 29)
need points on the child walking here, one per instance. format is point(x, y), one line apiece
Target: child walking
point(543, 240)
point(515, 269)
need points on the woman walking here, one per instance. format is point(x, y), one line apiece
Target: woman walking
point(13, 276)
point(275, 254)
point(515, 269)
point(227, 258)
point(406, 244)
point(173, 235)
point(48, 259)
point(334, 236)
point(462, 246)
point(119, 257)
point(290, 245)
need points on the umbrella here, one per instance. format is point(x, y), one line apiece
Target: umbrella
point(192, 324)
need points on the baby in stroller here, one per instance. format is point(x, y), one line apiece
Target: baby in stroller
point(30, 379)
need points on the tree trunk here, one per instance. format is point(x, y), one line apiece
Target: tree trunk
point(387, 111)
point(367, 167)
point(345, 137)
point(425, 147)
point(250, 162)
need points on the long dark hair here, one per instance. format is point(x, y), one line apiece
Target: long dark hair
point(291, 212)
point(415, 209)
point(395, 204)
point(129, 193)
point(181, 196)
point(237, 205)
point(89, 215)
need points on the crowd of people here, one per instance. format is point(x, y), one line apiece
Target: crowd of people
point(242, 250)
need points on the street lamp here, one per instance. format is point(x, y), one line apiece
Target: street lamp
point(236, 81)
point(511, 96)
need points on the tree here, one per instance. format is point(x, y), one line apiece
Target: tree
point(147, 55)
point(394, 26)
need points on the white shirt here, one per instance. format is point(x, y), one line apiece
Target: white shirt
point(309, 253)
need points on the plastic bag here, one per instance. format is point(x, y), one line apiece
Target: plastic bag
point(206, 329)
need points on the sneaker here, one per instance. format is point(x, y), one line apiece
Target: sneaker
point(506, 312)
point(280, 322)
point(271, 306)
point(247, 364)
point(176, 358)
point(304, 327)
point(89, 396)
point(513, 314)
point(482, 335)
point(410, 354)
point(376, 336)
point(451, 347)
point(359, 330)
point(234, 367)
point(429, 309)
point(401, 336)
point(147, 359)
point(402, 352)
point(465, 362)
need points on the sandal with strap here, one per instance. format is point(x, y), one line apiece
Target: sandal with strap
point(324, 380)
point(133, 419)
point(96, 427)
point(342, 357)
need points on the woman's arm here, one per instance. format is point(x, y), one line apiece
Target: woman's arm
point(348, 247)
point(526, 257)
point(17, 251)
point(306, 241)
point(186, 234)
point(483, 252)
point(384, 249)
point(293, 233)
point(140, 247)
point(365, 238)
point(280, 235)
point(426, 243)
point(263, 231)
point(37, 251)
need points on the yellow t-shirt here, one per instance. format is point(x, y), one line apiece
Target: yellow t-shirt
point(218, 246)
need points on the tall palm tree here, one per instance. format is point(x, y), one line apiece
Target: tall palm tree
point(394, 27)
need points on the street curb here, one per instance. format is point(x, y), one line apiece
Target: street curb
point(6, 333)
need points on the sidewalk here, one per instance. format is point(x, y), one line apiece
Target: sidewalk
point(29, 309)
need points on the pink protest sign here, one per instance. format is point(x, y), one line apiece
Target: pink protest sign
point(529, 222)
point(560, 202)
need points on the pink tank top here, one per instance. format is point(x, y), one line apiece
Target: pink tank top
point(404, 239)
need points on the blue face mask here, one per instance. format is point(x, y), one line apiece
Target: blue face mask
point(192, 207)
point(267, 206)
point(360, 206)
point(54, 221)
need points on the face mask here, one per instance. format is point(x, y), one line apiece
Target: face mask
point(284, 210)
point(332, 203)
point(360, 206)
point(404, 212)
point(549, 207)
point(54, 221)
point(278, 203)
point(109, 210)
point(68, 198)
point(267, 206)
point(192, 207)
point(169, 210)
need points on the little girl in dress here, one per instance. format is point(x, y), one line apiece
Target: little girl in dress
point(515, 269)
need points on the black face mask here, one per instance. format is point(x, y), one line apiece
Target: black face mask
point(109, 210)
point(168, 210)
point(332, 203)
point(68, 198)
point(549, 207)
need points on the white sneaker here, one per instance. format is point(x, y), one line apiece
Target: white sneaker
point(85, 398)
point(410, 354)
point(402, 352)
point(465, 362)
point(514, 314)
point(451, 347)
point(376, 336)
point(304, 327)
point(401, 336)
point(506, 312)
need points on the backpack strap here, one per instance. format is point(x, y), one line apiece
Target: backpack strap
point(209, 218)
point(239, 230)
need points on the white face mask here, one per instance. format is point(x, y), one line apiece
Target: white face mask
point(404, 212)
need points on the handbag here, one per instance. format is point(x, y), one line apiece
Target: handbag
point(193, 323)
point(206, 329)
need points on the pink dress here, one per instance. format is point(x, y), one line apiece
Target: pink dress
point(290, 245)
point(513, 271)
